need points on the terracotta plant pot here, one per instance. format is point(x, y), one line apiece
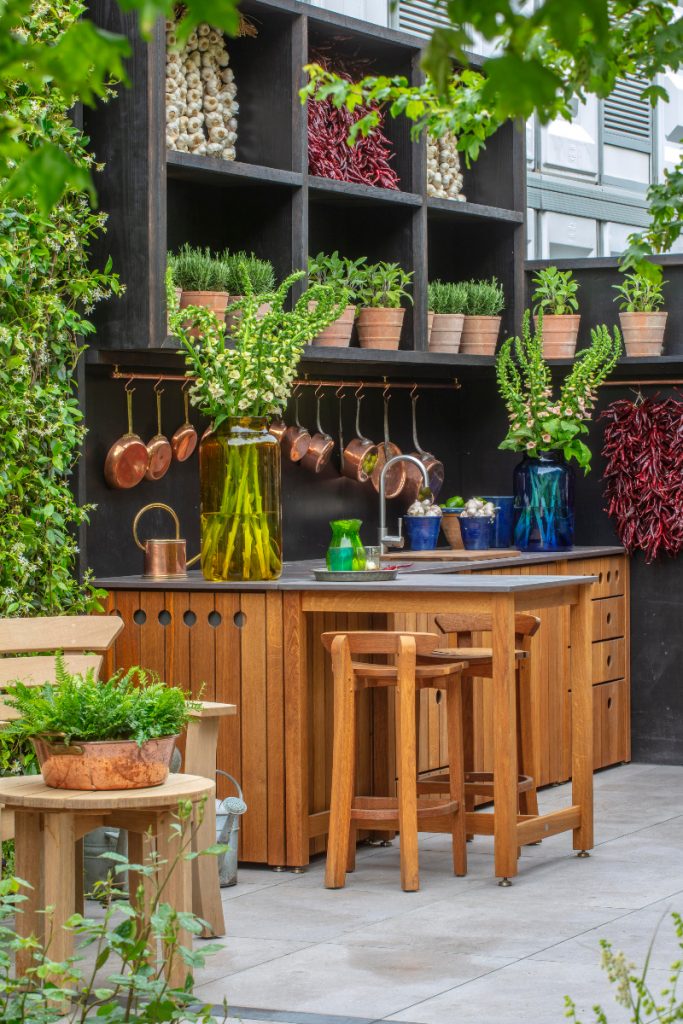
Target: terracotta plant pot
point(216, 301)
point(105, 764)
point(446, 332)
point(450, 524)
point(380, 328)
point(480, 335)
point(232, 319)
point(643, 333)
point(338, 333)
point(560, 334)
point(430, 325)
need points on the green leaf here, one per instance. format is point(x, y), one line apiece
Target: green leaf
point(47, 173)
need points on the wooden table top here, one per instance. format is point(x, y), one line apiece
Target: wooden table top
point(30, 791)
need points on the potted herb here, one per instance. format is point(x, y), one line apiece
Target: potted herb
point(446, 302)
point(94, 734)
point(341, 271)
point(555, 297)
point(484, 302)
point(202, 277)
point(380, 320)
point(548, 430)
point(241, 385)
point(260, 274)
point(642, 320)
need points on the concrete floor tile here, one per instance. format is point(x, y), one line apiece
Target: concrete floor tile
point(239, 954)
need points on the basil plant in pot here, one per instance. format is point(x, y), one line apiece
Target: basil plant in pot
point(642, 320)
point(93, 734)
point(240, 383)
point(343, 272)
point(555, 298)
point(548, 429)
point(380, 320)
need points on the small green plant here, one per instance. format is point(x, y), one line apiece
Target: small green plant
point(260, 273)
point(384, 285)
point(555, 293)
point(447, 296)
point(134, 705)
point(198, 270)
point(484, 298)
point(638, 294)
point(126, 982)
point(338, 270)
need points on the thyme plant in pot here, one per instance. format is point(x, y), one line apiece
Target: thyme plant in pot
point(380, 319)
point(202, 277)
point(240, 385)
point(93, 734)
point(642, 320)
point(261, 277)
point(347, 273)
point(548, 429)
point(446, 302)
point(484, 302)
point(555, 297)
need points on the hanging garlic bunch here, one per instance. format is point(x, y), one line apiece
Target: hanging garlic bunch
point(201, 105)
point(444, 177)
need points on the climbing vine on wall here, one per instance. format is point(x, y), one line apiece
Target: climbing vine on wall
point(47, 293)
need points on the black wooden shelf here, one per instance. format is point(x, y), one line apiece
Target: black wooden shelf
point(324, 189)
point(453, 209)
point(228, 173)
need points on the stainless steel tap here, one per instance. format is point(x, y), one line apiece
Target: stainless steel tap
point(385, 539)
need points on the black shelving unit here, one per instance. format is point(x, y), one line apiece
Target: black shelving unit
point(267, 202)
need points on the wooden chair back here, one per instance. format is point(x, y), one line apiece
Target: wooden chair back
point(464, 624)
point(380, 642)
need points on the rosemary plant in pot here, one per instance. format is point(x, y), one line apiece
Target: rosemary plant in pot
point(484, 303)
point(548, 430)
point(241, 384)
point(446, 317)
point(96, 734)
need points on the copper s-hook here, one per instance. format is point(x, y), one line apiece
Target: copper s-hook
point(129, 387)
point(359, 391)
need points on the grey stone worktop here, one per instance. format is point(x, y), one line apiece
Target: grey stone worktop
point(420, 576)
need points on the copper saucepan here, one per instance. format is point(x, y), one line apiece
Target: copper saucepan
point(159, 447)
point(435, 470)
point(296, 439)
point(127, 459)
point(321, 446)
point(184, 441)
point(359, 451)
point(165, 557)
point(278, 429)
point(396, 476)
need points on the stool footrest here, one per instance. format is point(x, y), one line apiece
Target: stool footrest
point(381, 810)
point(476, 783)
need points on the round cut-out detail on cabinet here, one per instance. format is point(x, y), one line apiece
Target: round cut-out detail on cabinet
point(215, 619)
point(189, 618)
point(139, 617)
point(164, 617)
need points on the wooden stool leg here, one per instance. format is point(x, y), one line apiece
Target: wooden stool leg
point(457, 771)
point(582, 717)
point(200, 759)
point(528, 800)
point(59, 879)
point(505, 788)
point(28, 846)
point(177, 881)
point(79, 903)
point(406, 762)
point(467, 697)
point(343, 763)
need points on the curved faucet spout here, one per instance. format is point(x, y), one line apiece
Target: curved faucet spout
point(384, 539)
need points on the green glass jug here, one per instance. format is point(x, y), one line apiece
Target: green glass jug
point(346, 552)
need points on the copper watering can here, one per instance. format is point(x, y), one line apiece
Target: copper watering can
point(165, 557)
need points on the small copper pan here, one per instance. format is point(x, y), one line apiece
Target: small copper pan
point(435, 470)
point(159, 448)
point(278, 429)
point(396, 476)
point(127, 459)
point(359, 450)
point(296, 440)
point(184, 441)
point(321, 446)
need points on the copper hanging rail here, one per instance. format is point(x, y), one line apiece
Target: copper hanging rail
point(673, 382)
point(454, 384)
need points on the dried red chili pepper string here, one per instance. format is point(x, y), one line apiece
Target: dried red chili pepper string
point(644, 474)
point(330, 156)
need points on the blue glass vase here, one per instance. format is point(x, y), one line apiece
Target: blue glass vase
point(543, 488)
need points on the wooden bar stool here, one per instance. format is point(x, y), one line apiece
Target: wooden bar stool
point(480, 665)
point(405, 813)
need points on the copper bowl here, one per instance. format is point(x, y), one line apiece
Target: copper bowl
point(105, 764)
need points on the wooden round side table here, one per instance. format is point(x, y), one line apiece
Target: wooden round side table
point(48, 824)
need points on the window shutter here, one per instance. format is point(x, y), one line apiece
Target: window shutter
point(627, 119)
point(420, 17)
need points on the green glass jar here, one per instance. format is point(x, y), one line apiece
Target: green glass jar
point(346, 552)
point(241, 516)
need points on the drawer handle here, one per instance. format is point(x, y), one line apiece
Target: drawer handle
point(609, 703)
point(609, 576)
point(609, 660)
point(599, 577)
point(609, 618)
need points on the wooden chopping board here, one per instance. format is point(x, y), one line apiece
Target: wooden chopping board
point(450, 555)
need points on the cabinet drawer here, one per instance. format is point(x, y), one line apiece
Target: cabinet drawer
point(609, 618)
point(611, 726)
point(609, 660)
point(610, 573)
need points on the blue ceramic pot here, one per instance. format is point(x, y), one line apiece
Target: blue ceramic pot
point(504, 525)
point(421, 532)
point(477, 532)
